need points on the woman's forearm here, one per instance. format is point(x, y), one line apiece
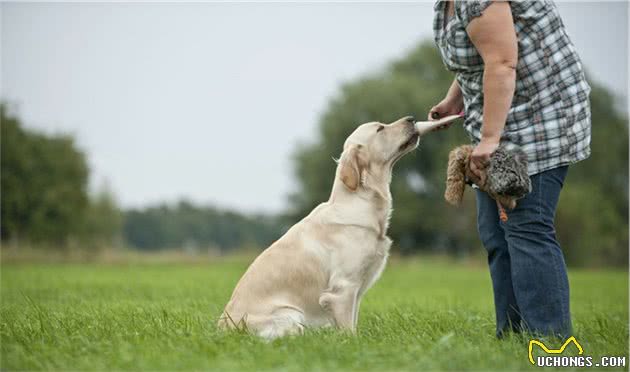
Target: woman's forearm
point(454, 93)
point(494, 36)
point(499, 80)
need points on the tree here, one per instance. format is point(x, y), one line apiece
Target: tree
point(102, 223)
point(422, 221)
point(43, 181)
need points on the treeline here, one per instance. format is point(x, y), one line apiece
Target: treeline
point(195, 228)
point(45, 198)
point(45, 203)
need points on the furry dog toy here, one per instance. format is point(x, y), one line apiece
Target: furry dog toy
point(506, 178)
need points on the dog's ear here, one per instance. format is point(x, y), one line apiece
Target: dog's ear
point(351, 166)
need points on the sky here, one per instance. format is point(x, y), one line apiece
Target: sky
point(207, 101)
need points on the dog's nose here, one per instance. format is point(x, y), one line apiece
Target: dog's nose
point(410, 119)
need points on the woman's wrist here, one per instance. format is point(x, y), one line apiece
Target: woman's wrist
point(455, 102)
point(454, 94)
point(491, 138)
point(491, 132)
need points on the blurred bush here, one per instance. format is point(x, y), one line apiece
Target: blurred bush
point(592, 220)
point(198, 229)
point(44, 191)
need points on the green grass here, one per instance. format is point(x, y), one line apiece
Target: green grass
point(419, 316)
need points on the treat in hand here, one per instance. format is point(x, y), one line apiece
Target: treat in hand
point(423, 127)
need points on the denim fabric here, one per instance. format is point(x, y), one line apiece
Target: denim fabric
point(529, 277)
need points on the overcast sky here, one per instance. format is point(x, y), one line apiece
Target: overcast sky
point(208, 101)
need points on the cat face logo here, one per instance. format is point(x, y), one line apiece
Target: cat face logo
point(553, 351)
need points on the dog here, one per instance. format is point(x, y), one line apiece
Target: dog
point(316, 274)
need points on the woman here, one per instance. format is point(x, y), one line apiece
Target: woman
point(520, 82)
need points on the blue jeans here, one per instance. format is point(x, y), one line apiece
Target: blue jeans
point(529, 277)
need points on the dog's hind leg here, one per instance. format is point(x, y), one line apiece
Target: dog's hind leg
point(341, 304)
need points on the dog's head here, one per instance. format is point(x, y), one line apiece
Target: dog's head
point(373, 148)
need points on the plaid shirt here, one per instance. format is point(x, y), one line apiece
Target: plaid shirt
point(550, 115)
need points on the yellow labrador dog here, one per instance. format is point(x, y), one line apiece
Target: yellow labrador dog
point(316, 274)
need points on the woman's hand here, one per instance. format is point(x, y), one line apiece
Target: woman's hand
point(480, 158)
point(452, 104)
point(448, 106)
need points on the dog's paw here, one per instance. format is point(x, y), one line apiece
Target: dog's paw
point(325, 301)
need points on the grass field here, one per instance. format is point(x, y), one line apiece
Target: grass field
point(419, 316)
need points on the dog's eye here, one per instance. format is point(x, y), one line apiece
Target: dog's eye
point(380, 128)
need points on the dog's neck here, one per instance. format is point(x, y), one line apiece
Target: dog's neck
point(368, 206)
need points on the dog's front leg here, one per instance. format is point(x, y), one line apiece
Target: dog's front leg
point(341, 303)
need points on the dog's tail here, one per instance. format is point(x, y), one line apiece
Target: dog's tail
point(458, 160)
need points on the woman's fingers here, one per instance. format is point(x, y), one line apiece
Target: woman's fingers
point(480, 161)
point(478, 170)
point(480, 158)
point(433, 114)
point(438, 111)
point(442, 110)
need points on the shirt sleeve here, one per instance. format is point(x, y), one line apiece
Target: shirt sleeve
point(466, 11)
